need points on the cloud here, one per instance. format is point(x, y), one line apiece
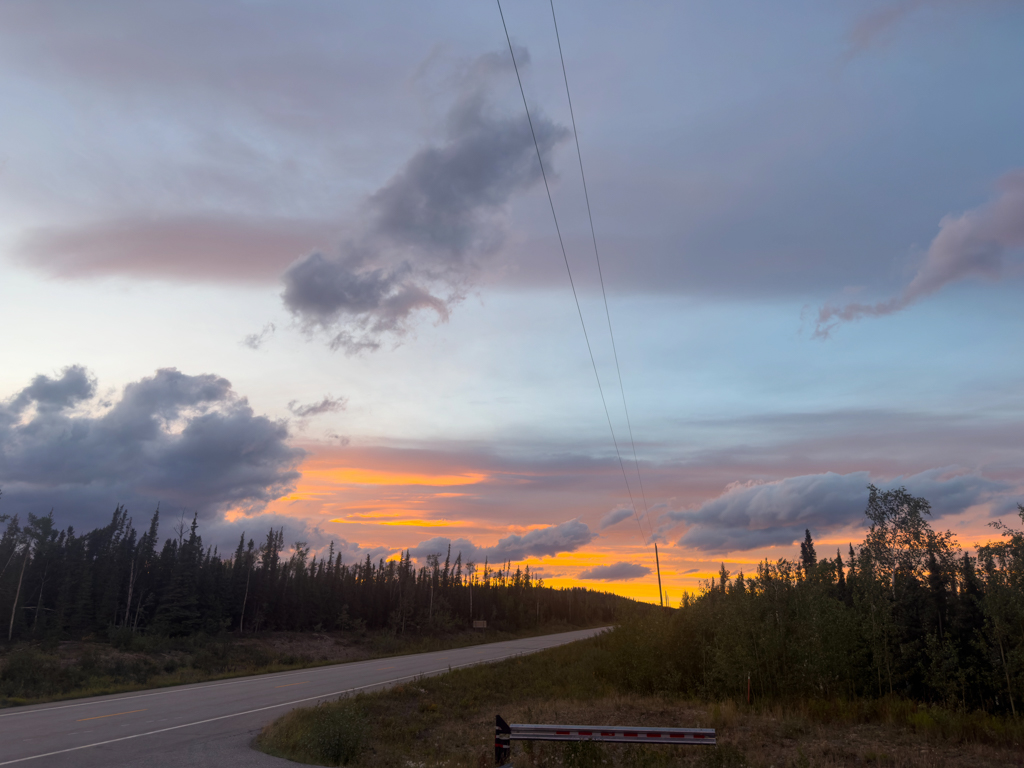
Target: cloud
point(872, 26)
point(178, 247)
point(185, 442)
point(329, 404)
point(427, 228)
point(74, 385)
point(869, 28)
point(358, 305)
point(542, 542)
point(255, 527)
point(973, 244)
point(256, 340)
point(615, 572)
point(749, 516)
point(614, 517)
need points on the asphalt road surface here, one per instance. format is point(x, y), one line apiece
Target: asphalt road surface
point(213, 724)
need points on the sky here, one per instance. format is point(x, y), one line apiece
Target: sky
point(294, 265)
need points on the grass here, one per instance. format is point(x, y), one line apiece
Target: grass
point(37, 673)
point(448, 721)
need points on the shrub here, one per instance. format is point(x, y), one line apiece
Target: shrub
point(327, 734)
point(30, 674)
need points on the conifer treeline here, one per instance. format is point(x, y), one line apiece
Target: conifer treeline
point(55, 584)
point(908, 614)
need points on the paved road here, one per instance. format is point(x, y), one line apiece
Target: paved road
point(213, 724)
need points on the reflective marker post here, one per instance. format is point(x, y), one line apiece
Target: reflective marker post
point(502, 741)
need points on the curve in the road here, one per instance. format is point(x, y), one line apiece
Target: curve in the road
point(213, 723)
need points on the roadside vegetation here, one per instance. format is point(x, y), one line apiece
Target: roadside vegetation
point(112, 610)
point(909, 653)
point(32, 673)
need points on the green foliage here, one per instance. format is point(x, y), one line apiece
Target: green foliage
point(582, 754)
point(29, 672)
point(910, 617)
point(322, 735)
point(446, 720)
point(114, 584)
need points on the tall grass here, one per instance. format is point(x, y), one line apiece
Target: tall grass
point(51, 671)
point(614, 679)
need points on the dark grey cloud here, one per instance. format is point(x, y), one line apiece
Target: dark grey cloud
point(615, 517)
point(616, 572)
point(74, 385)
point(541, 542)
point(329, 404)
point(185, 442)
point(748, 516)
point(426, 229)
point(356, 305)
point(974, 244)
point(443, 203)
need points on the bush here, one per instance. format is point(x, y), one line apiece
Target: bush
point(30, 674)
point(327, 734)
point(336, 735)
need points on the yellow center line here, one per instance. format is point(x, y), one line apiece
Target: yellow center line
point(289, 685)
point(115, 714)
point(383, 668)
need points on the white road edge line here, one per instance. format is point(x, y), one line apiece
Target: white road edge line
point(238, 681)
point(176, 689)
point(250, 711)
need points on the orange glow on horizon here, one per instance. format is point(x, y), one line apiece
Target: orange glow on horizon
point(363, 476)
point(411, 522)
point(393, 500)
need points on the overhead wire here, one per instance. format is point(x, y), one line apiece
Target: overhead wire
point(568, 269)
point(600, 272)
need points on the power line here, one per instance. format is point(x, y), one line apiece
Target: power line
point(568, 269)
point(600, 273)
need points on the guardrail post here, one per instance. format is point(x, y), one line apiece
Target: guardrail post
point(502, 741)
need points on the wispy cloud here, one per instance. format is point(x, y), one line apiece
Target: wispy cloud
point(329, 404)
point(218, 247)
point(874, 24)
point(615, 517)
point(256, 340)
point(973, 244)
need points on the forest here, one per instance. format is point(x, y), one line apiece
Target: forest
point(56, 585)
point(908, 614)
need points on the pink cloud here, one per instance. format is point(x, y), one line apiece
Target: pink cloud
point(973, 244)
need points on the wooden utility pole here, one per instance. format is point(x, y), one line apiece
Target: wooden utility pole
point(657, 564)
point(17, 592)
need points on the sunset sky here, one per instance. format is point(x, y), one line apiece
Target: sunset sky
point(292, 264)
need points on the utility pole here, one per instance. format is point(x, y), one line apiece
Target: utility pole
point(657, 563)
point(17, 592)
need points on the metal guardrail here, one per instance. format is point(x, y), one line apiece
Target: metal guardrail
point(505, 734)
